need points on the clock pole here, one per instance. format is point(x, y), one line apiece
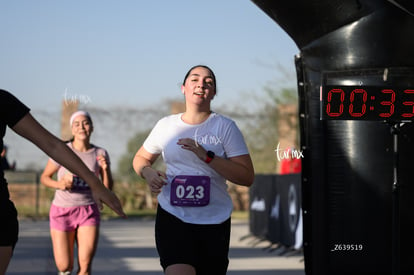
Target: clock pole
point(395, 131)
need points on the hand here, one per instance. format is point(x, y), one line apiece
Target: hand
point(102, 162)
point(103, 195)
point(66, 182)
point(155, 179)
point(191, 145)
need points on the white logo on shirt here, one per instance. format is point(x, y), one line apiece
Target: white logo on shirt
point(206, 139)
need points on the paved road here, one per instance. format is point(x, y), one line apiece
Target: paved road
point(127, 247)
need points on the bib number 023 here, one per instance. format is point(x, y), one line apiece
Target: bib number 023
point(190, 190)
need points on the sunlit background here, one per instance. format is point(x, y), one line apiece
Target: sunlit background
point(125, 60)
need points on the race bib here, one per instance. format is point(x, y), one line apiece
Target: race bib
point(190, 190)
point(79, 184)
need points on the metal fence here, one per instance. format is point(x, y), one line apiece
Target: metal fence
point(30, 197)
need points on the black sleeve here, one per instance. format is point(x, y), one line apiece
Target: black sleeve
point(12, 110)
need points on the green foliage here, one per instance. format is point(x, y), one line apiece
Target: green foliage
point(131, 189)
point(282, 96)
point(262, 134)
point(125, 169)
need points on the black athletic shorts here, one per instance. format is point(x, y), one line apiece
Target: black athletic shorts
point(9, 228)
point(205, 247)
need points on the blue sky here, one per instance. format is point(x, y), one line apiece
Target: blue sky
point(136, 52)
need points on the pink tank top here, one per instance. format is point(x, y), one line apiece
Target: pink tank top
point(80, 194)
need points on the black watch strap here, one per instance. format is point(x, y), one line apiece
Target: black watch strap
point(210, 156)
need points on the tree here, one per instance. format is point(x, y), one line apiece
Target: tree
point(125, 169)
point(262, 132)
point(134, 192)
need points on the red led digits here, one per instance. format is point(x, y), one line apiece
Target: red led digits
point(388, 102)
point(409, 103)
point(367, 102)
point(363, 105)
point(341, 105)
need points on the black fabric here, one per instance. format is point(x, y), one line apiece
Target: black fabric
point(9, 228)
point(290, 206)
point(306, 21)
point(11, 111)
point(275, 222)
point(260, 205)
point(204, 246)
point(275, 207)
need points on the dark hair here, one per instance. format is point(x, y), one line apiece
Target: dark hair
point(205, 67)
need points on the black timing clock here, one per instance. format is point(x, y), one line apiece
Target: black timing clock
point(385, 94)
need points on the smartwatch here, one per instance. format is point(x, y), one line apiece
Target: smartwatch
point(210, 156)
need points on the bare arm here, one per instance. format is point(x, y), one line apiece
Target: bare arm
point(238, 170)
point(30, 129)
point(105, 172)
point(46, 178)
point(142, 165)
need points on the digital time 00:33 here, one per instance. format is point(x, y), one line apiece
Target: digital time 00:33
point(367, 103)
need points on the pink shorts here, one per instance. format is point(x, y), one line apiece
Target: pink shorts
point(70, 218)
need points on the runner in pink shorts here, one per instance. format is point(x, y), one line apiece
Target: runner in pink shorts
point(70, 218)
point(74, 216)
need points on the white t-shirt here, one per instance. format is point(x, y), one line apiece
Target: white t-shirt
point(218, 134)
